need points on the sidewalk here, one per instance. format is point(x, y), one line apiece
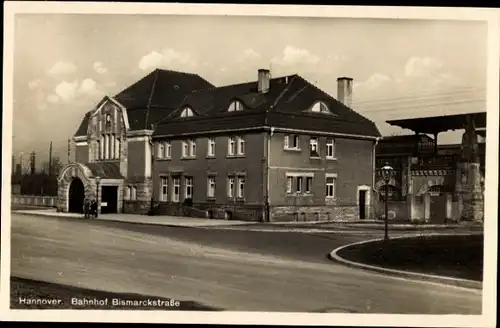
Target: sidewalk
point(142, 219)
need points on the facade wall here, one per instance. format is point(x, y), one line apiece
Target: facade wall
point(81, 153)
point(351, 165)
point(221, 166)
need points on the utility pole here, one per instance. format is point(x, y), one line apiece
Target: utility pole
point(50, 159)
point(69, 150)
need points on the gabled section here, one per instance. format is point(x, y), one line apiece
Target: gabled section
point(110, 101)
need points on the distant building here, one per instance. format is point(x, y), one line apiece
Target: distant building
point(270, 149)
point(432, 182)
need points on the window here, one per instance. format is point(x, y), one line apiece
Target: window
point(241, 145)
point(118, 148)
point(320, 107)
point(168, 149)
point(235, 106)
point(211, 147)
point(133, 195)
point(289, 183)
point(185, 149)
point(241, 187)
point(308, 185)
point(102, 145)
point(192, 148)
point(99, 149)
point(176, 182)
point(164, 188)
point(189, 187)
point(298, 188)
point(108, 120)
point(230, 187)
point(161, 150)
point(330, 187)
point(330, 148)
point(211, 187)
point(127, 193)
point(292, 142)
point(314, 147)
point(112, 146)
point(187, 112)
point(231, 147)
point(106, 146)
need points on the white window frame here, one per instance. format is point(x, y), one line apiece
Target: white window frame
point(230, 186)
point(192, 148)
point(188, 182)
point(211, 147)
point(161, 150)
point(187, 112)
point(332, 185)
point(164, 188)
point(330, 148)
point(290, 140)
point(289, 184)
point(241, 145)
point(231, 146)
point(176, 189)
point(298, 185)
point(235, 106)
point(314, 142)
point(168, 149)
point(185, 149)
point(309, 184)
point(241, 187)
point(211, 182)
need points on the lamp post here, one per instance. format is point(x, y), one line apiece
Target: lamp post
point(97, 181)
point(387, 174)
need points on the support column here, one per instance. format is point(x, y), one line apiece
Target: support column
point(427, 206)
point(435, 143)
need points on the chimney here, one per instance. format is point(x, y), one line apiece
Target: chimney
point(344, 90)
point(264, 77)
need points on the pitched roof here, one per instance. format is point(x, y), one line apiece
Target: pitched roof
point(286, 105)
point(82, 129)
point(105, 170)
point(156, 95)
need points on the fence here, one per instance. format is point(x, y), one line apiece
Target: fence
point(48, 201)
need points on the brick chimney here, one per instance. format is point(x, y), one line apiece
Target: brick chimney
point(344, 90)
point(264, 77)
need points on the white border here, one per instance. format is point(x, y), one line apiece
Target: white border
point(489, 295)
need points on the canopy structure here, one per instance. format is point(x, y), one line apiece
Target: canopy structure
point(437, 124)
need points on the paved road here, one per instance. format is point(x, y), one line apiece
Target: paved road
point(234, 270)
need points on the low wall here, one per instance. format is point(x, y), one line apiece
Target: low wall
point(48, 201)
point(314, 213)
point(398, 210)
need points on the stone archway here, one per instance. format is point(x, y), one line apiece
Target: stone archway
point(76, 195)
point(74, 181)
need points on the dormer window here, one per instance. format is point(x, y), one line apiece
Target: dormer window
point(108, 119)
point(235, 106)
point(320, 107)
point(187, 112)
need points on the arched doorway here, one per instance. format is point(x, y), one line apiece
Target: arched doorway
point(76, 196)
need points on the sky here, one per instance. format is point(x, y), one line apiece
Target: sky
point(65, 63)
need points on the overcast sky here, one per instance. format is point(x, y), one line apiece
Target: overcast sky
point(65, 63)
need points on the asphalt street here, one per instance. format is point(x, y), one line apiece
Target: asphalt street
point(230, 269)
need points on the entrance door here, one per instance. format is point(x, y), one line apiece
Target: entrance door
point(362, 204)
point(438, 209)
point(76, 196)
point(109, 199)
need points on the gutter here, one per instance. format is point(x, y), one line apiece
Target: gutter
point(374, 163)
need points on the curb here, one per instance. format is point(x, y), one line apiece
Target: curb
point(465, 283)
point(128, 222)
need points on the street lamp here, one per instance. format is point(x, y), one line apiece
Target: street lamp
point(387, 174)
point(97, 181)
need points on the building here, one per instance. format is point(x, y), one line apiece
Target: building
point(270, 149)
point(436, 183)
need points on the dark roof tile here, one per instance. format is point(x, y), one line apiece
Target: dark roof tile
point(105, 170)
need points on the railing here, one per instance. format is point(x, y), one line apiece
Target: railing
point(47, 201)
point(405, 148)
point(436, 162)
